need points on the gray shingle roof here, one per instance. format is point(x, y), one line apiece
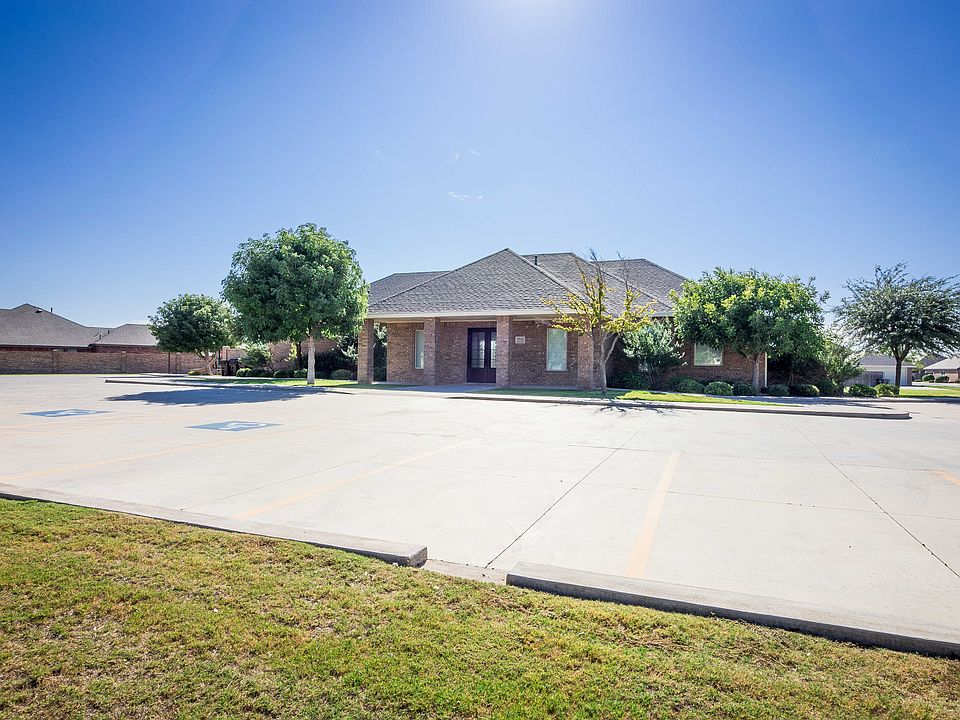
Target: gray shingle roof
point(950, 363)
point(506, 281)
point(398, 282)
point(32, 326)
point(873, 359)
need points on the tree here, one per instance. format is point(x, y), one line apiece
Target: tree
point(196, 324)
point(753, 313)
point(601, 309)
point(899, 315)
point(839, 361)
point(297, 285)
point(655, 349)
point(257, 356)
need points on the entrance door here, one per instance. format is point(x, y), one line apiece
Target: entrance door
point(482, 355)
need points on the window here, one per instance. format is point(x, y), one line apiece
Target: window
point(556, 349)
point(706, 355)
point(418, 344)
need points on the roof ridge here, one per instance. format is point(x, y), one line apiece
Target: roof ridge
point(443, 273)
point(546, 272)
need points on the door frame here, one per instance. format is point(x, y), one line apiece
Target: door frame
point(485, 374)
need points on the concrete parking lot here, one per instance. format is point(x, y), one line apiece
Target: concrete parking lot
point(857, 514)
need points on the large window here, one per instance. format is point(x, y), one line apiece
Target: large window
point(556, 349)
point(705, 355)
point(418, 344)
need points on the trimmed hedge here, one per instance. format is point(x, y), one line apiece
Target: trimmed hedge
point(629, 381)
point(887, 390)
point(778, 390)
point(689, 385)
point(341, 374)
point(301, 373)
point(804, 390)
point(828, 387)
point(942, 378)
point(743, 388)
point(244, 372)
point(928, 377)
point(860, 390)
point(718, 387)
point(282, 373)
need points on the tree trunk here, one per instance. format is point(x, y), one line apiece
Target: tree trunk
point(897, 379)
point(756, 373)
point(207, 362)
point(311, 361)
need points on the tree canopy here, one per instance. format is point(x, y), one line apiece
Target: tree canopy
point(840, 362)
point(898, 314)
point(753, 313)
point(191, 323)
point(297, 284)
point(655, 348)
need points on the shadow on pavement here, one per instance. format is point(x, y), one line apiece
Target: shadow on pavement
point(210, 396)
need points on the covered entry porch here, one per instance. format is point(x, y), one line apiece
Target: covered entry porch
point(507, 350)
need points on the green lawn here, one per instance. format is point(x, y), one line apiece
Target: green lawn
point(921, 391)
point(627, 395)
point(112, 616)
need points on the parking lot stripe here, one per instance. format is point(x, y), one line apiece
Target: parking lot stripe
point(637, 564)
point(947, 476)
point(283, 502)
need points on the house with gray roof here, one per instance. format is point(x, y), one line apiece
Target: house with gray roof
point(29, 327)
point(486, 322)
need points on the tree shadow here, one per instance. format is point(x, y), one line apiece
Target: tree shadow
point(211, 396)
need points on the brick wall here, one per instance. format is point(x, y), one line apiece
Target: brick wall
point(400, 344)
point(528, 362)
point(735, 366)
point(452, 368)
point(59, 361)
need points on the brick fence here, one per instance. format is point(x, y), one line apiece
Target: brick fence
point(60, 361)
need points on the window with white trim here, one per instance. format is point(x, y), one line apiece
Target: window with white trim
point(706, 356)
point(419, 339)
point(556, 349)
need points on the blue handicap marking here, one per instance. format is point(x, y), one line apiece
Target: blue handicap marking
point(66, 413)
point(233, 426)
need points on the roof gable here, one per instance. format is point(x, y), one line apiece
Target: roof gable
point(29, 325)
point(397, 283)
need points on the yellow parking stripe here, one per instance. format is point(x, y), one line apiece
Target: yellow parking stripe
point(947, 476)
point(334, 484)
point(637, 564)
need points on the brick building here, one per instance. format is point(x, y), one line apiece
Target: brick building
point(486, 322)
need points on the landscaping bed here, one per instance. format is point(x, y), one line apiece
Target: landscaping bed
point(619, 394)
point(113, 616)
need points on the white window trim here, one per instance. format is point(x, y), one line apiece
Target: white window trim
point(418, 356)
point(708, 364)
point(563, 366)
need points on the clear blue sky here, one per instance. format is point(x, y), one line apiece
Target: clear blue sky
point(140, 142)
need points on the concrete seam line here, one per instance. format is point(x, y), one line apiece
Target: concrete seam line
point(836, 625)
point(642, 404)
point(401, 553)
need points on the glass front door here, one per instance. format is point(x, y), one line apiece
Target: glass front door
point(482, 355)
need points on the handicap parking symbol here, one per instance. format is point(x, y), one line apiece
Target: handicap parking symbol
point(233, 426)
point(65, 413)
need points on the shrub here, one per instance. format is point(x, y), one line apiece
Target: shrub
point(629, 381)
point(860, 390)
point(887, 390)
point(261, 372)
point(301, 373)
point(718, 387)
point(257, 355)
point(341, 374)
point(244, 372)
point(674, 382)
point(328, 361)
point(778, 390)
point(282, 374)
point(197, 371)
point(828, 387)
point(743, 388)
point(804, 390)
point(942, 378)
point(689, 385)
point(928, 377)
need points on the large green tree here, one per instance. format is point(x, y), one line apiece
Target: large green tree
point(196, 324)
point(753, 313)
point(297, 284)
point(839, 360)
point(898, 314)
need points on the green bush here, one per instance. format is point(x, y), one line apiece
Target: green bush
point(928, 377)
point(257, 356)
point(673, 383)
point(282, 373)
point(341, 374)
point(887, 390)
point(244, 372)
point(778, 390)
point(718, 387)
point(301, 373)
point(628, 381)
point(860, 390)
point(828, 387)
point(689, 385)
point(261, 373)
point(804, 390)
point(743, 388)
point(942, 378)
point(330, 360)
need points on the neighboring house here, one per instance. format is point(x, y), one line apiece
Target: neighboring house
point(949, 367)
point(28, 327)
point(486, 322)
point(881, 368)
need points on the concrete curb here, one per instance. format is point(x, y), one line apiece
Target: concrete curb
point(400, 553)
point(797, 410)
point(874, 631)
point(220, 386)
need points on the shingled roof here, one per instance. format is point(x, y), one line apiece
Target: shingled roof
point(31, 326)
point(506, 282)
